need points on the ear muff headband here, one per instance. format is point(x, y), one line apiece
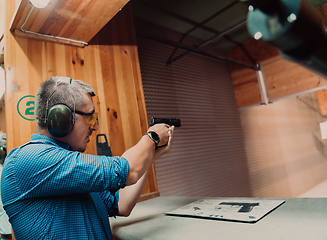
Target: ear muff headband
point(59, 118)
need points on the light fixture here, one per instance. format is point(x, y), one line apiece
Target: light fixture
point(43, 4)
point(257, 36)
point(40, 3)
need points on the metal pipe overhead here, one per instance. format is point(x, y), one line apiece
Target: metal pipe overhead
point(237, 25)
point(193, 49)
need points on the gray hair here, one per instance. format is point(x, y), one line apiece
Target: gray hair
point(59, 90)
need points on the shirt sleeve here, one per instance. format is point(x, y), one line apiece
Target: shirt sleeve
point(110, 200)
point(47, 171)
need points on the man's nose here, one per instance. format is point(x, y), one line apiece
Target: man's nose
point(95, 127)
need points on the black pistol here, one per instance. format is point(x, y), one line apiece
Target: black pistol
point(245, 207)
point(170, 121)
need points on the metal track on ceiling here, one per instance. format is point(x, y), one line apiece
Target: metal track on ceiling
point(197, 49)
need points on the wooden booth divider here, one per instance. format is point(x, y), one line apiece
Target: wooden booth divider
point(109, 63)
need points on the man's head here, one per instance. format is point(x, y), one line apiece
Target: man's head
point(76, 96)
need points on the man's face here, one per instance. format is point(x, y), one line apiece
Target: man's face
point(81, 132)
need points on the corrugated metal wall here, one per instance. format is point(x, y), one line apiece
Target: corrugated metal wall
point(208, 156)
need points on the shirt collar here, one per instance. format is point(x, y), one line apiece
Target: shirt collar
point(38, 137)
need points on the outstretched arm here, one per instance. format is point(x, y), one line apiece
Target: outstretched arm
point(141, 156)
point(129, 196)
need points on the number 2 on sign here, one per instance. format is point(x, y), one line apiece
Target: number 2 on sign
point(26, 107)
point(30, 110)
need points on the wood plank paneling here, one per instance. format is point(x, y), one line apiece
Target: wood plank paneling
point(257, 50)
point(322, 99)
point(109, 64)
point(79, 20)
point(2, 103)
point(2, 27)
point(283, 78)
point(246, 87)
point(3, 118)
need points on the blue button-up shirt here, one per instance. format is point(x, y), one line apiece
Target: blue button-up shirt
point(50, 192)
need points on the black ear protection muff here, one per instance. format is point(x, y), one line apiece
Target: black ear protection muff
point(59, 118)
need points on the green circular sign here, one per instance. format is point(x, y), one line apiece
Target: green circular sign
point(26, 107)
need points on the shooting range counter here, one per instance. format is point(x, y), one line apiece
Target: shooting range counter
point(296, 218)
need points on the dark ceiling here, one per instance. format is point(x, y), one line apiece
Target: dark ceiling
point(223, 21)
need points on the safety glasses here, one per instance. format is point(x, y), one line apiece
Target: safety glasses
point(89, 118)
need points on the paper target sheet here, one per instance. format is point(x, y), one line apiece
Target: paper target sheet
point(243, 210)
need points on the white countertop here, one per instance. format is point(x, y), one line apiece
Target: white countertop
point(297, 218)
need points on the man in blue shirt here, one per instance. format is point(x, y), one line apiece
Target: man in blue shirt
point(5, 227)
point(51, 190)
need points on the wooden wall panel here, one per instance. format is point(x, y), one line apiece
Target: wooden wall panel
point(3, 118)
point(2, 103)
point(76, 20)
point(256, 51)
point(245, 83)
point(322, 99)
point(246, 87)
point(283, 78)
point(2, 27)
point(109, 64)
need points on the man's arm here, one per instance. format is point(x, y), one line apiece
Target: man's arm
point(129, 196)
point(141, 156)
